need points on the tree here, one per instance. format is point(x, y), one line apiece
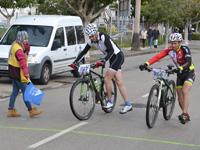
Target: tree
point(189, 12)
point(88, 10)
point(12, 4)
point(162, 11)
point(54, 7)
point(176, 13)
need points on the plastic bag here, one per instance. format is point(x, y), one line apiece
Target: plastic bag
point(33, 95)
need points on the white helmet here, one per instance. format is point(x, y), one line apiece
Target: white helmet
point(175, 37)
point(91, 29)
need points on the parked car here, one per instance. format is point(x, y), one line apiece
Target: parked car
point(55, 42)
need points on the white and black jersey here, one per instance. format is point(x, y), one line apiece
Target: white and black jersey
point(107, 46)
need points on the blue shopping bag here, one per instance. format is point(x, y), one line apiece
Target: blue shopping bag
point(32, 94)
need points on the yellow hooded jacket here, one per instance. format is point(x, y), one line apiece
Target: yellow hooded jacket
point(15, 70)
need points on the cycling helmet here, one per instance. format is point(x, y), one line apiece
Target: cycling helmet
point(91, 29)
point(175, 37)
point(21, 36)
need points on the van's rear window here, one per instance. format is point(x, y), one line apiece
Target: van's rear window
point(38, 35)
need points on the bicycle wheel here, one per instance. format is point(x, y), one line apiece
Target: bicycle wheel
point(113, 99)
point(151, 108)
point(169, 101)
point(82, 99)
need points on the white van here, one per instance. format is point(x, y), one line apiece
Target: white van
point(55, 42)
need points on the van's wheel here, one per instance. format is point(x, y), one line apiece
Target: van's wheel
point(45, 74)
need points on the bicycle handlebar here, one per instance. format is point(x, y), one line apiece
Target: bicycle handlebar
point(168, 71)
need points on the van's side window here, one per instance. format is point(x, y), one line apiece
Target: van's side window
point(80, 34)
point(71, 38)
point(59, 36)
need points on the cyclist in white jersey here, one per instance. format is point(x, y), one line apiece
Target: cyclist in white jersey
point(115, 56)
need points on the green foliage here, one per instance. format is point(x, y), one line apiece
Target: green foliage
point(2, 31)
point(174, 12)
point(103, 29)
point(195, 36)
point(55, 7)
point(16, 3)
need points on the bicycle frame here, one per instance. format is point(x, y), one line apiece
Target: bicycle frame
point(161, 83)
point(91, 80)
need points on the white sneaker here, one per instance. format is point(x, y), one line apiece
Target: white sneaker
point(126, 109)
point(108, 105)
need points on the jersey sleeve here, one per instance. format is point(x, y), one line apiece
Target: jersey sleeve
point(158, 56)
point(82, 53)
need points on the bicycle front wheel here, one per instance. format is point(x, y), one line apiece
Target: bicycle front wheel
point(113, 98)
point(82, 101)
point(169, 101)
point(152, 109)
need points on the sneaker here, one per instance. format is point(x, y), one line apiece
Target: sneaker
point(126, 109)
point(108, 105)
point(184, 118)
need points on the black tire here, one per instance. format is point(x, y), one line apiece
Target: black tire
point(114, 97)
point(82, 99)
point(169, 101)
point(151, 108)
point(45, 74)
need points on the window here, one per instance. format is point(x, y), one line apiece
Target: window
point(71, 38)
point(38, 35)
point(80, 34)
point(59, 36)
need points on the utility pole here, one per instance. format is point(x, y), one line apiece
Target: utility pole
point(136, 39)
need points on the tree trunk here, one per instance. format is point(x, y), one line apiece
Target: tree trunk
point(197, 27)
point(186, 32)
point(166, 34)
point(136, 39)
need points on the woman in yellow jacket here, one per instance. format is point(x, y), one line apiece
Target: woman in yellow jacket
point(19, 73)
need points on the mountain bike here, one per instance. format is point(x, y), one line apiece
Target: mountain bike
point(88, 90)
point(162, 95)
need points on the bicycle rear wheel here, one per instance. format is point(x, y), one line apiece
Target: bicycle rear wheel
point(169, 101)
point(113, 99)
point(151, 108)
point(82, 101)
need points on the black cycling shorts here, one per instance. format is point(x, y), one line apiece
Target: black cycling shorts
point(116, 61)
point(188, 77)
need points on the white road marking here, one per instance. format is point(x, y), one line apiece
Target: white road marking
point(56, 135)
point(146, 95)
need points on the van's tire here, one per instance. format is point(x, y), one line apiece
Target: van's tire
point(45, 74)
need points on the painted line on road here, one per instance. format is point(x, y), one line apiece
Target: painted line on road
point(150, 140)
point(145, 95)
point(44, 141)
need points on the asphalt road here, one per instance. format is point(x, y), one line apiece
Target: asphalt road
point(58, 129)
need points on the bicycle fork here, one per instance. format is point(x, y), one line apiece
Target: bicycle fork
point(159, 94)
